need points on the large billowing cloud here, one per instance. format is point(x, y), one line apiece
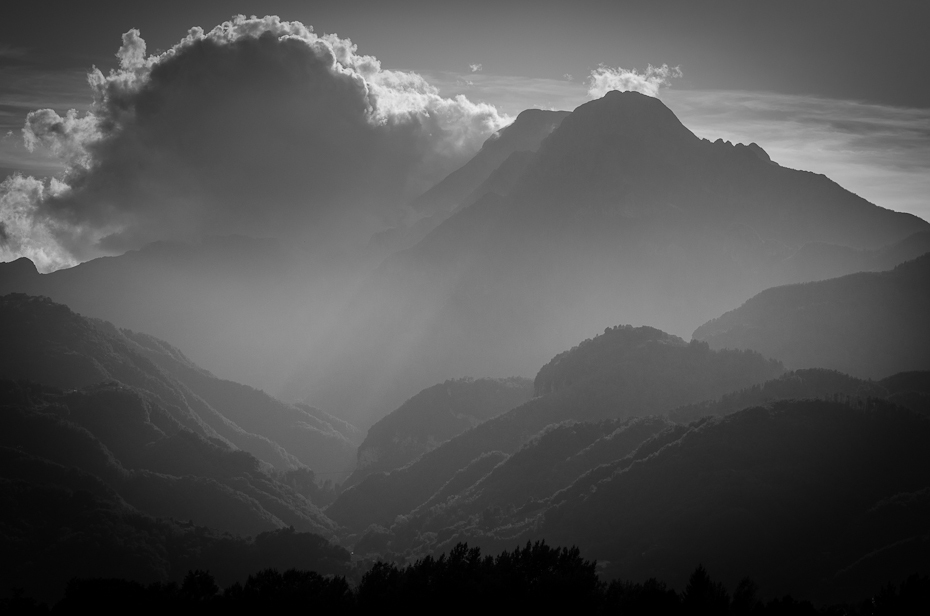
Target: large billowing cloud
point(603, 79)
point(259, 126)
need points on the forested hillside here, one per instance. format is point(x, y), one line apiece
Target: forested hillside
point(819, 498)
point(632, 372)
point(432, 417)
point(48, 343)
point(112, 466)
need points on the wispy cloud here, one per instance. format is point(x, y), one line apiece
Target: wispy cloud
point(603, 79)
point(475, 68)
point(23, 89)
point(13, 53)
point(511, 94)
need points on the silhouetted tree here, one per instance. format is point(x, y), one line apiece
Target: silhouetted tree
point(744, 597)
point(650, 597)
point(704, 596)
point(198, 587)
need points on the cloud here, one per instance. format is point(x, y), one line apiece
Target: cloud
point(21, 234)
point(603, 79)
point(64, 137)
point(11, 52)
point(513, 93)
point(258, 126)
point(475, 68)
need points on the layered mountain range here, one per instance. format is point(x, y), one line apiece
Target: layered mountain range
point(432, 417)
point(812, 466)
point(621, 215)
point(563, 224)
point(119, 430)
point(147, 409)
point(786, 440)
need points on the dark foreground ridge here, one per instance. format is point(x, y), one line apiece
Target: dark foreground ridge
point(534, 577)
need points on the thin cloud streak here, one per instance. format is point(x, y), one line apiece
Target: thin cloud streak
point(510, 94)
point(604, 79)
point(24, 89)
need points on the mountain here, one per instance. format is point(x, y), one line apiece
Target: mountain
point(58, 523)
point(818, 261)
point(314, 437)
point(621, 215)
point(496, 166)
point(726, 494)
point(110, 465)
point(121, 439)
point(870, 324)
point(817, 383)
point(566, 460)
point(47, 343)
point(520, 484)
point(757, 480)
point(524, 135)
point(810, 497)
point(432, 417)
point(247, 308)
point(625, 372)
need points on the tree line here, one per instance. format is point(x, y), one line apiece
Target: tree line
point(529, 578)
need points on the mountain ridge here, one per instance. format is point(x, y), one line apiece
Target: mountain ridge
point(869, 324)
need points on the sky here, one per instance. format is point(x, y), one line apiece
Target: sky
point(832, 86)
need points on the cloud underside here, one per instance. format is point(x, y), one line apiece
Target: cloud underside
point(259, 126)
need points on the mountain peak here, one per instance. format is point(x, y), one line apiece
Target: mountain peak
point(525, 134)
point(527, 131)
point(21, 266)
point(607, 145)
point(13, 274)
point(627, 95)
point(631, 114)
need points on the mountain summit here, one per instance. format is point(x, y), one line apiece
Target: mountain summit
point(524, 135)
